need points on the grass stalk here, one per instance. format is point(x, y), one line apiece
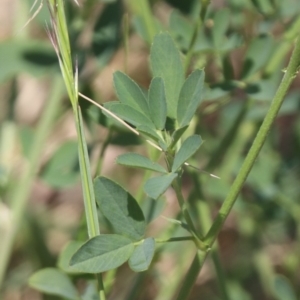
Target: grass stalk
point(61, 43)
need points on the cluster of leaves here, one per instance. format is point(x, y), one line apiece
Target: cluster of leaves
point(163, 114)
point(148, 112)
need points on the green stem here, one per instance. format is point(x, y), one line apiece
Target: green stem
point(192, 275)
point(148, 19)
point(212, 234)
point(175, 239)
point(87, 184)
point(187, 217)
point(224, 211)
point(21, 193)
point(220, 274)
point(101, 292)
point(205, 220)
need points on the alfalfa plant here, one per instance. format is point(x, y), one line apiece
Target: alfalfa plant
point(162, 115)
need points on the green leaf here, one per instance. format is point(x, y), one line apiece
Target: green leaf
point(258, 54)
point(33, 56)
point(149, 132)
point(187, 149)
point(157, 103)
point(130, 93)
point(139, 161)
point(62, 170)
point(221, 23)
point(142, 255)
point(181, 29)
point(177, 135)
point(102, 253)
point(120, 208)
point(283, 288)
point(66, 254)
point(166, 63)
point(190, 97)
point(53, 282)
point(90, 292)
point(153, 208)
point(156, 186)
point(129, 114)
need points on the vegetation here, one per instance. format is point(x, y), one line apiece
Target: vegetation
point(161, 223)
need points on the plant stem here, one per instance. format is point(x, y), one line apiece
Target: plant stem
point(60, 40)
point(225, 209)
point(192, 274)
point(205, 220)
point(21, 193)
point(290, 74)
point(187, 217)
point(175, 239)
point(87, 183)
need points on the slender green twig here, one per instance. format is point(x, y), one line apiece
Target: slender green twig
point(290, 74)
point(192, 274)
point(205, 219)
point(198, 238)
point(175, 239)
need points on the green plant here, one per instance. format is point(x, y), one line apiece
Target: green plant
point(164, 116)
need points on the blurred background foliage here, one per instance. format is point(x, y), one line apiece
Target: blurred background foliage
point(243, 46)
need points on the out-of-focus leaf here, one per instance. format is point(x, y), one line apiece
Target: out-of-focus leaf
point(141, 28)
point(30, 56)
point(107, 31)
point(66, 254)
point(152, 208)
point(181, 29)
point(53, 282)
point(258, 54)
point(90, 292)
point(266, 7)
point(62, 169)
point(283, 288)
point(221, 23)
